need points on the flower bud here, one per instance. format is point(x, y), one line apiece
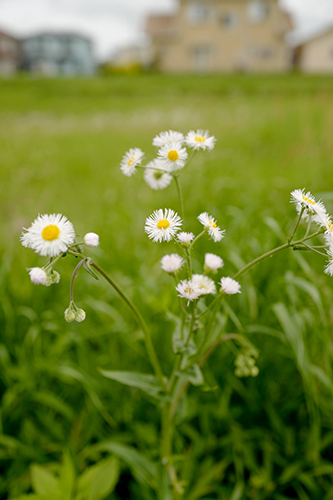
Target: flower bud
point(38, 276)
point(55, 277)
point(91, 240)
point(70, 315)
point(80, 315)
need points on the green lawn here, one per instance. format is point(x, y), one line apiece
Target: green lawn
point(61, 142)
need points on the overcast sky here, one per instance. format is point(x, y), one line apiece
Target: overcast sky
point(115, 23)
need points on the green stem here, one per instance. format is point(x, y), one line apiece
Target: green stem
point(144, 167)
point(149, 344)
point(71, 297)
point(180, 196)
point(273, 252)
point(196, 239)
point(297, 224)
point(313, 249)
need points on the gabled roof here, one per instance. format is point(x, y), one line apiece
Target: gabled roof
point(303, 38)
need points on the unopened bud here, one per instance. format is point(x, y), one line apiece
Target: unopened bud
point(80, 315)
point(69, 315)
point(91, 240)
point(38, 276)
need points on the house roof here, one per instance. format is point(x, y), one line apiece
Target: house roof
point(298, 39)
point(160, 25)
point(59, 34)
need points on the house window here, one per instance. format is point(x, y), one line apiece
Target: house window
point(198, 12)
point(202, 58)
point(257, 11)
point(262, 52)
point(228, 20)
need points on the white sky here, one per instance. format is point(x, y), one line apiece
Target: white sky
point(114, 23)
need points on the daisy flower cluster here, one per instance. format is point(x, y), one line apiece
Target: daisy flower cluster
point(52, 235)
point(165, 225)
point(314, 211)
point(172, 155)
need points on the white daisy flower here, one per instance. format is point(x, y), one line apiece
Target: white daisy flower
point(212, 263)
point(49, 235)
point(230, 286)
point(166, 137)
point(130, 160)
point(210, 225)
point(200, 140)
point(91, 240)
point(174, 156)
point(206, 285)
point(162, 226)
point(185, 238)
point(329, 268)
point(188, 290)
point(38, 276)
point(155, 177)
point(171, 263)
point(327, 224)
point(306, 200)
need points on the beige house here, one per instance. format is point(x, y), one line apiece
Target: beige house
point(221, 36)
point(10, 54)
point(315, 55)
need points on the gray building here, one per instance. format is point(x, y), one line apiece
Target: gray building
point(54, 54)
point(10, 53)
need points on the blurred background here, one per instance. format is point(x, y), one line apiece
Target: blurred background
point(84, 81)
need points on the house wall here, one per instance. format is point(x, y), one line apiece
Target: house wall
point(52, 54)
point(226, 40)
point(9, 55)
point(317, 55)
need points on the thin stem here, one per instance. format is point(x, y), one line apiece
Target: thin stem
point(196, 239)
point(313, 249)
point(144, 167)
point(73, 277)
point(211, 305)
point(203, 359)
point(189, 263)
point(297, 224)
point(149, 344)
point(308, 227)
point(273, 252)
point(180, 196)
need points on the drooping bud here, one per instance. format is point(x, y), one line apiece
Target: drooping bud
point(80, 315)
point(38, 276)
point(70, 314)
point(91, 240)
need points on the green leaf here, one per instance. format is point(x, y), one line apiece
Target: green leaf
point(105, 480)
point(143, 469)
point(147, 383)
point(67, 476)
point(194, 375)
point(44, 482)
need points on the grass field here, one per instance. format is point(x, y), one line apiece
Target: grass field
point(61, 143)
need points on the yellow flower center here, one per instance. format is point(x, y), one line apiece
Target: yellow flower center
point(163, 224)
point(330, 226)
point(50, 232)
point(200, 139)
point(173, 155)
point(130, 161)
point(308, 200)
point(212, 223)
